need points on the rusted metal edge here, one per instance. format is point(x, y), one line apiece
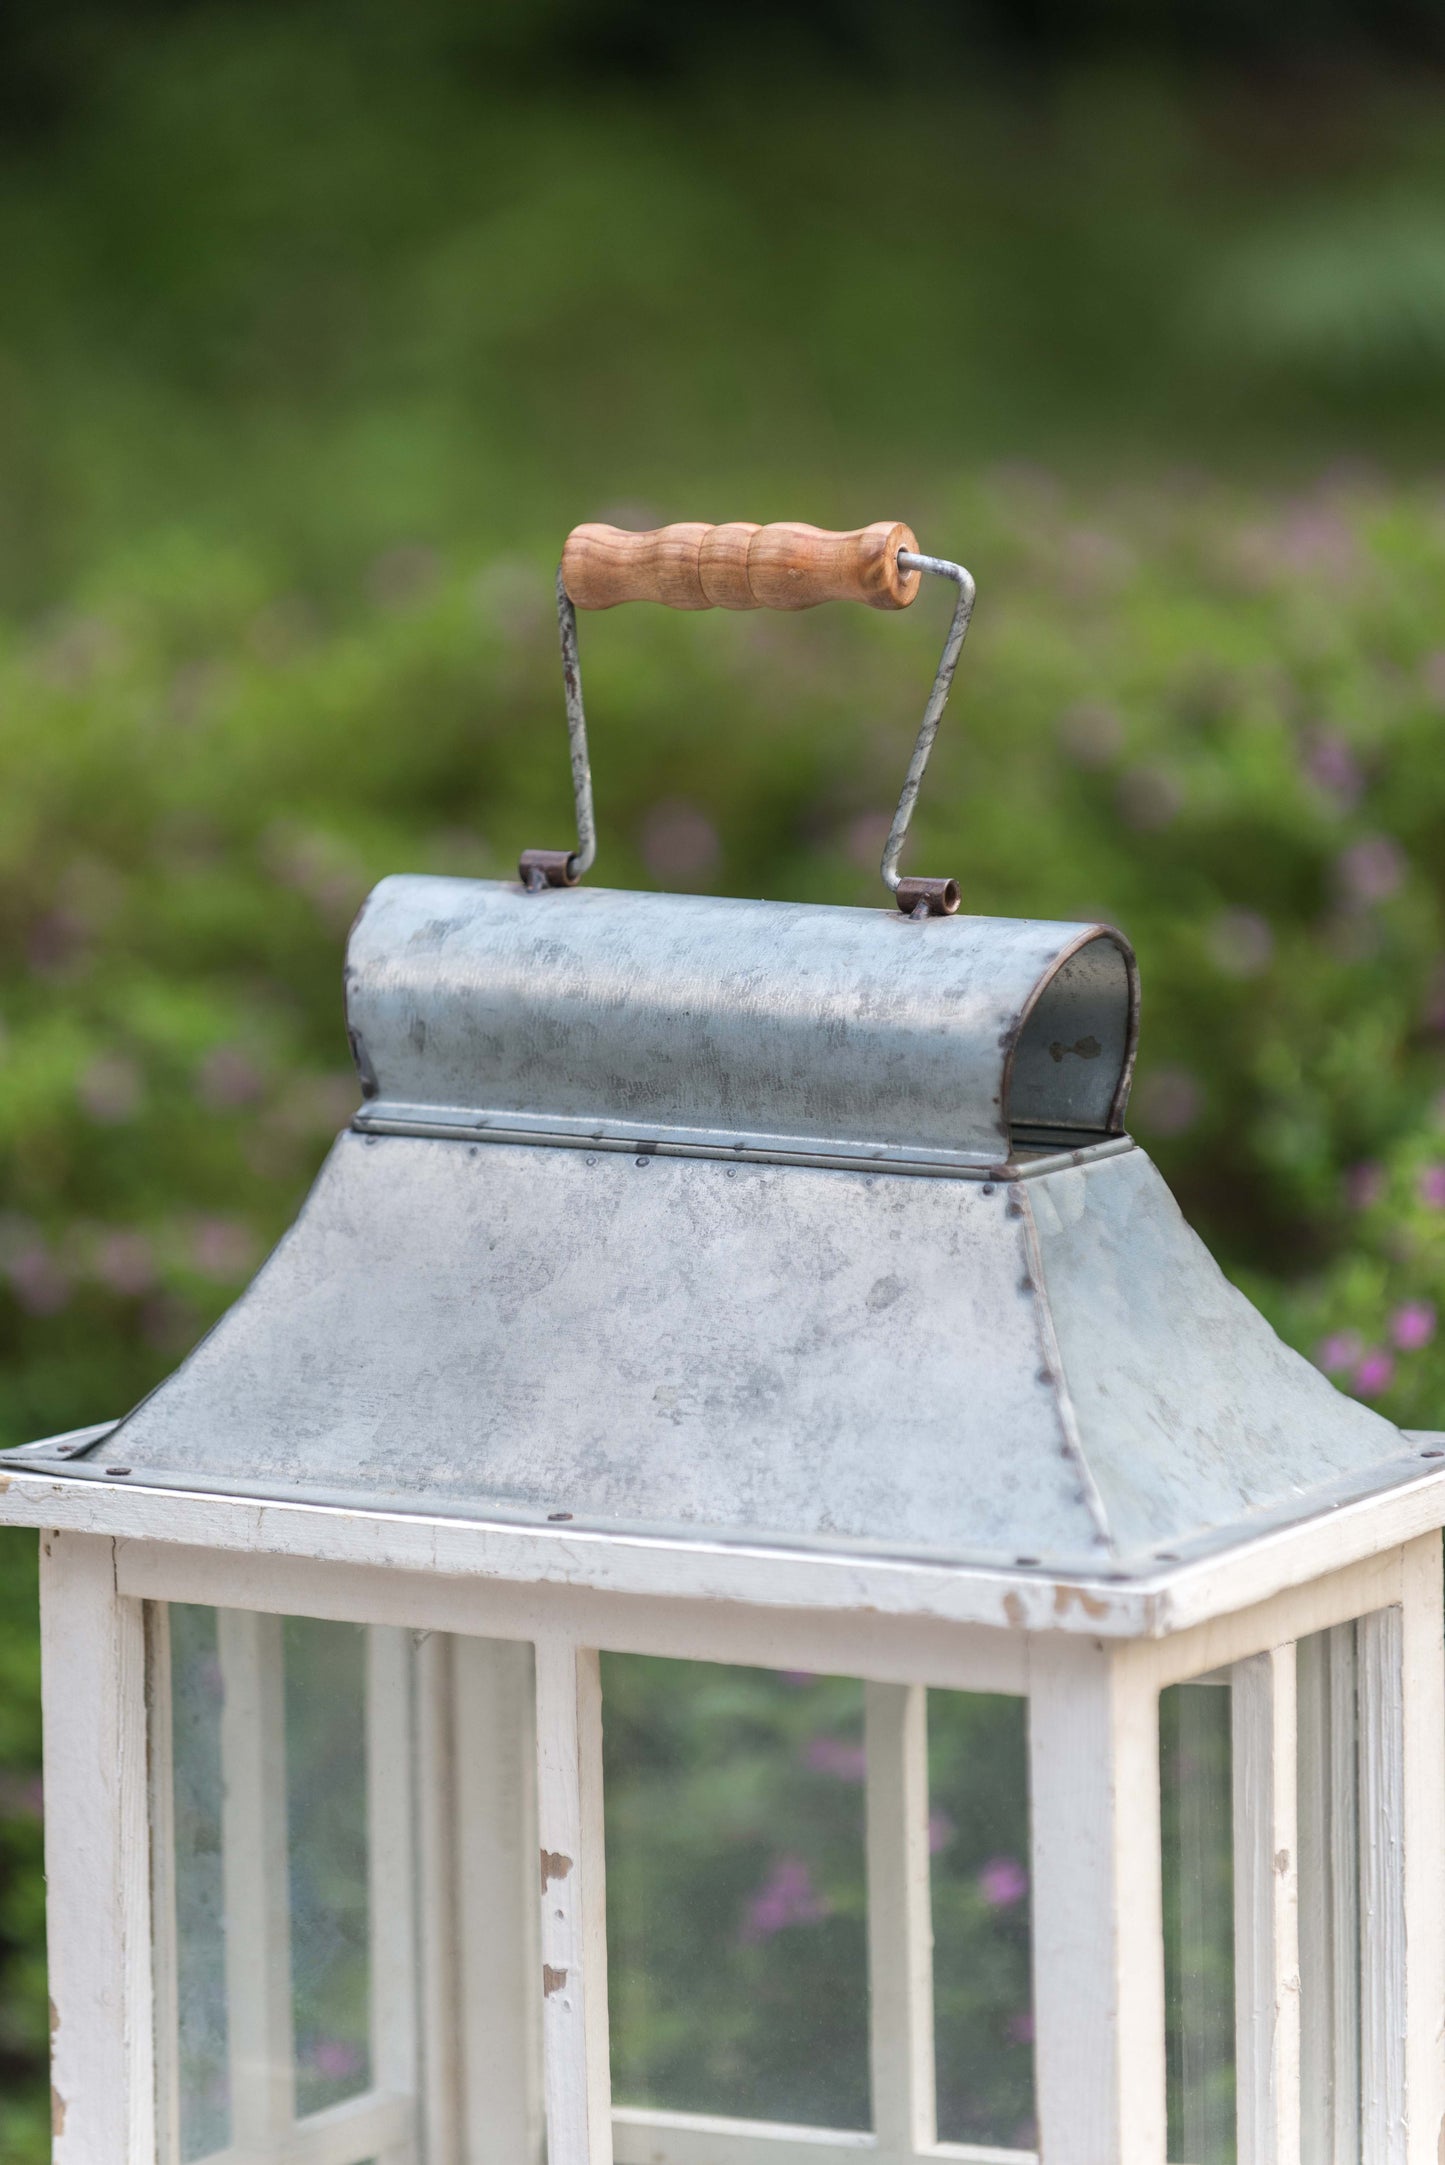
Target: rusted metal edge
point(467, 1126)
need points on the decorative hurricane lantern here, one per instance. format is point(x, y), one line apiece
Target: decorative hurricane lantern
point(740, 1589)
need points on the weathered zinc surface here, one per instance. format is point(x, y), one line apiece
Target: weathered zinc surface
point(756, 1222)
point(840, 1032)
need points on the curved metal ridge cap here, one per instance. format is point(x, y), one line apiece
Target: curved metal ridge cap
point(725, 1015)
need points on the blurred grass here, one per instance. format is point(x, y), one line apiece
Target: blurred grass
point(322, 328)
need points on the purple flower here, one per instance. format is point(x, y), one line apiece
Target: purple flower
point(125, 1262)
point(1002, 1882)
point(222, 1247)
point(786, 1897)
point(941, 1831)
point(1432, 1186)
point(835, 1755)
point(1241, 943)
point(1375, 1373)
point(229, 1078)
point(1364, 1185)
point(334, 2059)
point(1413, 1326)
point(1339, 1351)
point(1332, 767)
point(798, 1678)
point(1371, 870)
point(1021, 2027)
point(39, 1282)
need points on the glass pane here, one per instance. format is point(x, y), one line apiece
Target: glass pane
point(737, 1936)
point(1196, 1784)
point(287, 1734)
point(982, 1973)
point(1329, 1899)
point(205, 2093)
point(326, 1809)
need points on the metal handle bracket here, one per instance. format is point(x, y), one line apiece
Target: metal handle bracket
point(916, 897)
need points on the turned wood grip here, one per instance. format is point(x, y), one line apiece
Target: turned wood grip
point(739, 566)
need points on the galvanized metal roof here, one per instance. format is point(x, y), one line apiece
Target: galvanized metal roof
point(477, 1007)
point(721, 1220)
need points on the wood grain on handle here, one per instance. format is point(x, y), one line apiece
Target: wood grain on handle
point(739, 566)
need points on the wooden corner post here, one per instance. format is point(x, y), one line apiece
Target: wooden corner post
point(1097, 1902)
point(97, 1856)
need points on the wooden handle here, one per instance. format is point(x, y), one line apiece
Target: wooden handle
point(739, 566)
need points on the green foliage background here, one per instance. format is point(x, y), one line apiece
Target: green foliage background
point(323, 325)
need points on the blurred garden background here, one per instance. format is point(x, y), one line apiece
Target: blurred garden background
point(321, 325)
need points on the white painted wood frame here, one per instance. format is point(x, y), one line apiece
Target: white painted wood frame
point(165, 1954)
point(1097, 1904)
point(1422, 1660)
point(900, 1918)
point(1382, 1891)
point(1266, 1908)
point(576, 2072)
point(439, 1934)
point(495, 1888)
point(391, 1858)
point(1329, 1890)
point(559, 1563)
point(256, 1871)
point(887, 1649)
point(643, 2137)
point(97, 1856)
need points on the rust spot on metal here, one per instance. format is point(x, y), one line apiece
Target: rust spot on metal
point(554, 1866)
point(1066, 1596)
point(5, 1479)
point(57, 2112)
point(54, 2021)
point(552, 1980)
point(1085, 1048)
point(1281, 1861)
point(1013, 1609)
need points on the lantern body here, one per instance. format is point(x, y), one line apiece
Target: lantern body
point(738, 1419)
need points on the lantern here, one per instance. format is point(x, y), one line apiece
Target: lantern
point(740, 1589)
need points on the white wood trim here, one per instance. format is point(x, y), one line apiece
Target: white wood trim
point(1329, 1907)
point(1169, 1599)
point(1423, 1707)
point(439, 1987)
point(1266, 1909)
point(97, 1857)
point(496, 1887)
point(1382, 1891)
point(1097, 1905)
point(391, 1875)
point(359, 2129)
point(1354, 1591)
point(645, 2137)
point(900, 1917)
point(576, 2073)
point(1345, 1889)
point(165, 1962)
point(256, 1870)
point(897, 1650)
